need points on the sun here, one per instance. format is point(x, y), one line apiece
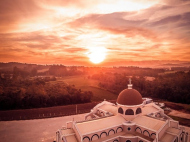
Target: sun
point(97, 54)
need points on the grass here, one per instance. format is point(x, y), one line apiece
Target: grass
point(182, 121)
point(170, 72)
point(79, 81)
point(178, 106)
point(43, 70)
point(100, 94)
point(85, 84)
point(167, 72)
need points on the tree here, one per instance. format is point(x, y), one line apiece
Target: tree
point(33, 72)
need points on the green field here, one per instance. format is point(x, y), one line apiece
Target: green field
point(85, 84)
point(169, 72)
point(182, 121)
point(43, 70)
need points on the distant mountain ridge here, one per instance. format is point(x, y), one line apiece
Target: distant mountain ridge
point(147, 63)
point(159, 63)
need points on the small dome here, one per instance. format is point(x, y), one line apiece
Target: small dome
point(129, 97)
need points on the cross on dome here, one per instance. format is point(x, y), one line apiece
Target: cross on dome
point(129, 80)
point(130, 85)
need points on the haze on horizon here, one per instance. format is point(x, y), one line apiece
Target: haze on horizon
point(72, 31)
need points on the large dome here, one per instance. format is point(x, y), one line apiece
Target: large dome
point(129, 97)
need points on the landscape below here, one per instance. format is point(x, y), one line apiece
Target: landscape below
point(26, 86)
point(29, 86)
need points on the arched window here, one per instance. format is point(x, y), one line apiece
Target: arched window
point(146, 133)
point(98, 112)
point(153, 135)
point(102, 114)
point(111, 132)
point(138, 130)
point(119, 129)
point(138, 110)
point(94, 137)
point(181, 137)
point(129, 112)
point(89, 117)
point(103, 134)
point(58, 136)
point(86, 139)
point(120, 110)
point(128, 141)
point(158, 115)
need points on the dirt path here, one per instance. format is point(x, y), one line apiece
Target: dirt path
point(37, 130)
point(179, 114)
point(48, 112)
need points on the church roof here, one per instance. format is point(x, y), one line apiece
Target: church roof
point(129, 97)
point(99, 124)
point(148, 122)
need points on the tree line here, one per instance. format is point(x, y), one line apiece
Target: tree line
point(171, 87)
point(37, 93)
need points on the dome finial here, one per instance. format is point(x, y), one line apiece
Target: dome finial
point(129, 80)
point(130, 85)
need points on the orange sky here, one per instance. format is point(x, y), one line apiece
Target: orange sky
point(65, 31)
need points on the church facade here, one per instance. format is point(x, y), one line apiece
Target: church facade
point(131, 119)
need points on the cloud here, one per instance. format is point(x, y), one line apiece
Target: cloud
point(64, 30)
point(176, 2)
point(74, 50)
point(115, 23)
point(109, 20)
point(13, 12)
point(167, 20)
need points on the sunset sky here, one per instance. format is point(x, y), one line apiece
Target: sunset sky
point(84, 32)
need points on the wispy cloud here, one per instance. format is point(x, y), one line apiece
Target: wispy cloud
point(60, 31)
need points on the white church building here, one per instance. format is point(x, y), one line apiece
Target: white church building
point(131, 119)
